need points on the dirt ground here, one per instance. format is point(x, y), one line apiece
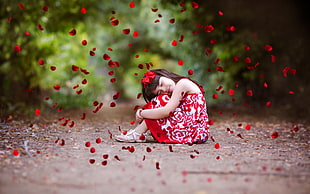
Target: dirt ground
point(54, 159)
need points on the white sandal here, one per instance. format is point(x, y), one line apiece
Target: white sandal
point(131, 136)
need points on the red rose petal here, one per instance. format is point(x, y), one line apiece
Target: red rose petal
point(79, 92)
point(53, 68)
point(57, 87)
point(157, 165)
point(87, 144)
point(45, 8)
point(195, 5)
point(92, 150)
point(21, 6)
point(115, 22)
point(83, 116)
point(38, 112)
point(247, 127)
point(92, 161)
point(72, 32)
point(83, 10)
point(75, 68)
point(105, 156)
point(181, 62)
point(106, 57)
point(174, 43)
point(17, 48)
point(104, 163)
point(209, 28)
point(172, 20)
point(249, 93)
point(268, 48)
point(117, 158)
point(215, 96)
point(268, 104)
point(15, 152)
point(148, 149)
point(190, 72)
point(217, 146)
point(135, 34)
point(126, 31)
point(98, 140)
point(84, 42)
point(231, 92)
point(41, 62)
point(220, 13)
point(274, 135)
point(40, 27)
point(132, 4)
point(84, 81)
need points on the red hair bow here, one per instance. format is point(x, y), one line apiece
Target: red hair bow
point(148, 78)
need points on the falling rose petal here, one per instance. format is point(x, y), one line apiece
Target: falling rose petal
point(79, 92)
point(148, 149)
point(105, 156)
point(157, 166)
point(84, 42)
point(41, 62)
point(195, 5)
point(38, 112)
point(75, 68)
point(45, 8)
point(132, 4)
point(87, 144)
point(72, 32)
point(84, 81)
point(9, 19)
point(239, 135)
point(296, 128)
point(116, 96)
point(268, 48)
point(190, 72)
point(113, 80)
point(249, 93)
point(83, 116)
point(220, 13)
point(40, 27)
point(247, 60)
point(53, 68)
point(268, 104)
point(248, 127)
point(135, 34)
point(117, 158)
point(131, 149)
point(209, 180)
point(174, 43)
point(98, 140)
point(265, 85)
point(247, 48)
point(172, 21)
point(112, 104)
point(106, 57)
point(27, 33)
point(92, 161)
point(76, 86)
point(274, 135)
point(181, 38)
point(57, 87)
point(181, 62)
point(21, 6)
point(111, 73)
point(62, 142)
point(83, 10)
point(217, 61)
point(154, 9)
point(115, 22)
point(126, 31)
point(92, 150)
point(211, 122)
point(215, 96)
point(273, 58)
point(15, 152)
point(217, 146)
point(170, 148)
point(291, 92)
point(231, 92)
point(95, 103)
point(192, 156)
point(92, 53)
point(104, 163)
point(17, 48)
point(209, 28)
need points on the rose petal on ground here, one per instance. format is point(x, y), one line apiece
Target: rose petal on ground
point(274, 135)
point(217, 146)
point(15, 152)
point(98, 140)
point(247, 127)
point(83, 10)
point(72, 32)
point(92, 161)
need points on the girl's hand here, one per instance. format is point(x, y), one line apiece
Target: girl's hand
point(139, 118)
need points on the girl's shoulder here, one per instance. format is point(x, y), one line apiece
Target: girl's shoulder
point(188, 85)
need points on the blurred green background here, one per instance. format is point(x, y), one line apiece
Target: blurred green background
point(241, 28)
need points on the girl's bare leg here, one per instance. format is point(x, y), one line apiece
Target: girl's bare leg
point(141, 128)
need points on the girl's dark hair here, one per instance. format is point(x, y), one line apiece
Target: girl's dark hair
point(148, 90)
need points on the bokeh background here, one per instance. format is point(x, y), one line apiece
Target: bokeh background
point(245, 53)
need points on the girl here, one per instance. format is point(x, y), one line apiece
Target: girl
point(175, 111)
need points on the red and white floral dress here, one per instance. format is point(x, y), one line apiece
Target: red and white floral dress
point(187, 124)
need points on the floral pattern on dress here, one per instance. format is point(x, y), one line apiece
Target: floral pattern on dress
point(187, 124)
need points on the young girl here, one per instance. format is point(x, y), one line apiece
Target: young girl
point(175, 111)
